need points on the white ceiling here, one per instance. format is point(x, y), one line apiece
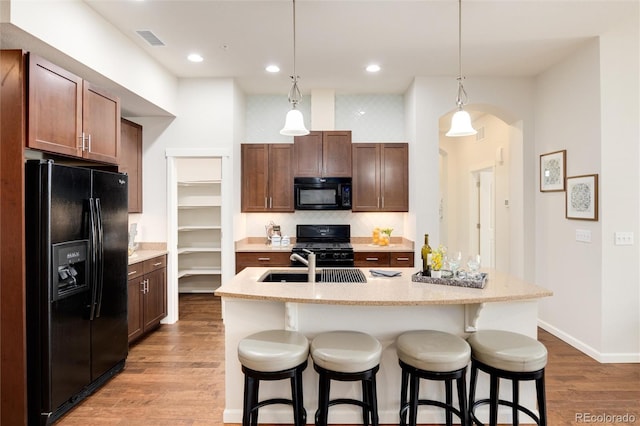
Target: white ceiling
point(337, 39)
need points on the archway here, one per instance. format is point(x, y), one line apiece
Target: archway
point(480, 208)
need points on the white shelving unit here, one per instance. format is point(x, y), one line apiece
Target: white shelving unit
point(199, 224)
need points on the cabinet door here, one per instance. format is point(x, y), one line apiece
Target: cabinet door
point(336, 154)
point(308, 155)
point(55, 108)
point(366, 177)
point(100, 124)
point(394, 177)
point(134, 307)
point(255, 178)
point(131, 162)
point(155, 303)
point(281, 178)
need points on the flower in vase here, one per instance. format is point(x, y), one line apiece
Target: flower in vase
point(437, 258)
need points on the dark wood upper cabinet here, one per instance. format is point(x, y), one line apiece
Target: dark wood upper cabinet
point(131, 161)
point(267, 178)
point(70, 116)
point(380, 177)
point(323, 154)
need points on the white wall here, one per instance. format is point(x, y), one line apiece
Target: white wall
point(73, 28)
point(620, 190)
point(568, 117)
point(588, 104)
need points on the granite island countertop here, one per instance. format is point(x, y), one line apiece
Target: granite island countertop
point(379, 291)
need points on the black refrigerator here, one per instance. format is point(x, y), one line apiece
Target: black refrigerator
point(76, 243)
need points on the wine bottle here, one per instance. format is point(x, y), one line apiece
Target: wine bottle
point(426, 257)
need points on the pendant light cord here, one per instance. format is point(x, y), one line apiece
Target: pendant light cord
point(462, 98)
point(294, 94)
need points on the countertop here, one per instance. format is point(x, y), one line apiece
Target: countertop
point(359, 244)
point(142, 255)
point(396, 291)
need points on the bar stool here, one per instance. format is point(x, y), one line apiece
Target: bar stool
point(432, 355)
point(273, 355)
point(346, 356)
point(511, 356)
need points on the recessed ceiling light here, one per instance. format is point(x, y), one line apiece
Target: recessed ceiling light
point(272, 68)
point(373, 68)
point(194, 57)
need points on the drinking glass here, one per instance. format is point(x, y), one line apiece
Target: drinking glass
point(454, 259)
point(473, 263)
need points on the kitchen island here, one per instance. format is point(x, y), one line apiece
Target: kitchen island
point(383, 307)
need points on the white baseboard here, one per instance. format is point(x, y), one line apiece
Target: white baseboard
point(604, 358)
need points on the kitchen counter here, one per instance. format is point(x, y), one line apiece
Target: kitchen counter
point(360, 244)
point(382, 307)
point(145, 254)
point(379, 291)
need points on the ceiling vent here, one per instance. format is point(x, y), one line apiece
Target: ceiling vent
point(480, 134)
point(150, 38)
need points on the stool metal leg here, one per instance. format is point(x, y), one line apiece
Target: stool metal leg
point(299, 417)
point(542, 404)
point(373, 401)
point(365, 398)
point(403, 397)
point(462, 399)
point(472, 391)
point(248, 403)
point(414, 389)
point(448, 399)
point(494, 391)
point(515, 385)
point(324, 385)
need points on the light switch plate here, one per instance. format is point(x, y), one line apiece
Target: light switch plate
point(583, 235)
point(623, 238)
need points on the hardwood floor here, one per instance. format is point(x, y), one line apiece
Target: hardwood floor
point(175, 377)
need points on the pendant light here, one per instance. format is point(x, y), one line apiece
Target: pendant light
point(461, 120)
point(294, 122)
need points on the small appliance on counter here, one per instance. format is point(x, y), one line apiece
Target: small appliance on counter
point(330, 243)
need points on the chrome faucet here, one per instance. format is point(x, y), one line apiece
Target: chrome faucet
point(310, 262)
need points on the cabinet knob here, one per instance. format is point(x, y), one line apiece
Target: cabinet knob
point(132, 272)
point(372, 259)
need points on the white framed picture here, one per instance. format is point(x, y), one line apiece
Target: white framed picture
point(552, 171)
point(582, 197)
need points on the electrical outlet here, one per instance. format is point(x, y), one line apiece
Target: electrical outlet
point(623, 238)
point(583, 235)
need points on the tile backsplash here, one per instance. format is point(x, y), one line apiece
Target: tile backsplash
point(361, 223)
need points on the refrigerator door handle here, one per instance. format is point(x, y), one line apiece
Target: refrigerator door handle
point(94, 273)
point(100, 257)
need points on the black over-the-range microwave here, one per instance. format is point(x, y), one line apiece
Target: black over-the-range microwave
point(313, 193)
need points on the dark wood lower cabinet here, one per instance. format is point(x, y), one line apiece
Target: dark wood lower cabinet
point(246, 259)
point(147, 290)
point(397, 259)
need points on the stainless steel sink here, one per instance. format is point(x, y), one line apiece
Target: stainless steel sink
point(326, 275)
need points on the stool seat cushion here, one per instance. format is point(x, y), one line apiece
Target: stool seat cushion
point(346, 351)
point(509, 351)
point(273, 350)
point(432, 350)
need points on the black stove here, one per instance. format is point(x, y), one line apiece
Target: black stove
point(330, 243)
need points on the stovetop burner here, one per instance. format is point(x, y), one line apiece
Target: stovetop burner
point(331, 243)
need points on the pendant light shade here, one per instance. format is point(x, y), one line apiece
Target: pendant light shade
point(461, 120)
point(461, 125)
point(294, 122)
